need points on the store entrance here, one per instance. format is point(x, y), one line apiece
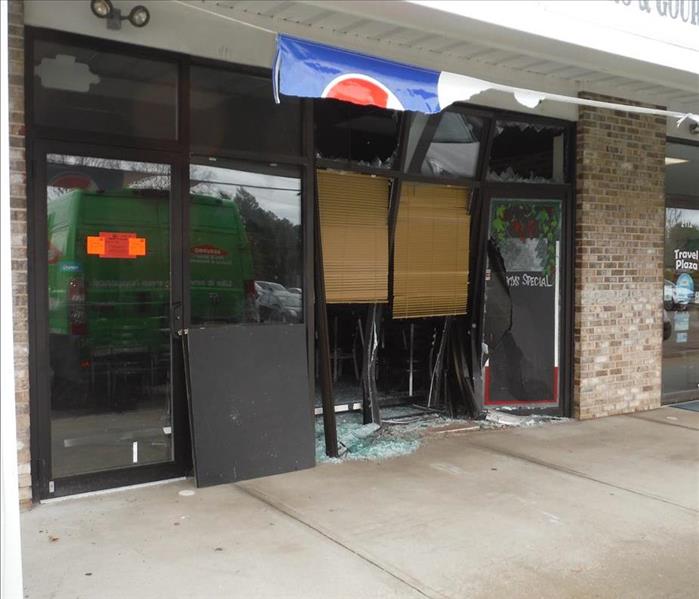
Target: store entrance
point(130, 262)
point(680, 378)
point(110, 310)
point(680, 305)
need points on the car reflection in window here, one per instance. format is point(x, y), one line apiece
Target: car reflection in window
point(276, 303)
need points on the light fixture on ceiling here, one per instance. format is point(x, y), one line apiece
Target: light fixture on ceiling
point(669, 160)
point(138, 16)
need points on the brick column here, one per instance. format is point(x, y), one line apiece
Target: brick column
point(619, 261)
point(18, 207)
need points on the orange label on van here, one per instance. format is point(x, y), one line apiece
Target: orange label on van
point(113, 244)
point(137, 246)
point(95, 245)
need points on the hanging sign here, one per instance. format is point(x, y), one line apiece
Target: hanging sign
point(311, 70)
point(113, 244)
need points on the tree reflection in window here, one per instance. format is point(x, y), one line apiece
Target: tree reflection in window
point(245, 244)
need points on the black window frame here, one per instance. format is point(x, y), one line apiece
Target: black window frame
point(481, 190)
point(41, 140)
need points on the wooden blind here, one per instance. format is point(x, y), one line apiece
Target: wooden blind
point(431, 251)
point(354, 233)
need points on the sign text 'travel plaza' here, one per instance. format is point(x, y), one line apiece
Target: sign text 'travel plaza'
point(687, 260)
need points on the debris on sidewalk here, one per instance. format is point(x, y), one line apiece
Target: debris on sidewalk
point(401, 434)
point(508, 419)
point(404, 429)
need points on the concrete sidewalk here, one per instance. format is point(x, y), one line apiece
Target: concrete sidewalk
point(604, 508)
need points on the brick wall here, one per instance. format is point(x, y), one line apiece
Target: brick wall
point(618, 261)
point(18, 207)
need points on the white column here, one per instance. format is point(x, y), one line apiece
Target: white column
point(10, 541)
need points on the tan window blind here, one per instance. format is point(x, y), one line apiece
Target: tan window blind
point(354, 233)
point(430, 275)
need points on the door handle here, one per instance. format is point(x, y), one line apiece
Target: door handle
point(176, 319)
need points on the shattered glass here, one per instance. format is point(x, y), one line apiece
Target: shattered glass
point(527, 153)
point(522, 307)
point(444, 145)
point(510, 176)
point(360, 441)
point(405, 428)
point(363, 135)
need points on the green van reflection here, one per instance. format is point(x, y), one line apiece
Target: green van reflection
point(105, 304)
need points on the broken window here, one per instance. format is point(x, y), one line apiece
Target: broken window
point(360, 134)
point(527, 153)
point(444, 145)
point(522, 304)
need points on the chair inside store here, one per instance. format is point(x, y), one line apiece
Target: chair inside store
point(409, 363)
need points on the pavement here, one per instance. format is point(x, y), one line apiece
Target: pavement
point(602, 508)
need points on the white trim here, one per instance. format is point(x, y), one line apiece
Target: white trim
point(339, 408)
point(225, 17)
point(600, 26)
point(472, 86)
point(10, 537)
point(216, 30)
point(531, 98)
point(154, 483)
point(557, 291)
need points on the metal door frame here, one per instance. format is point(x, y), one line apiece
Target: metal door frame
point(533, 192)
point(687, 203)
point(43, 484)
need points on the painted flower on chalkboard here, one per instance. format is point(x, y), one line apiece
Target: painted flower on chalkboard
point(528, 220)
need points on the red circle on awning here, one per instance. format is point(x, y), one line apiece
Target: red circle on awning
point(359, 91)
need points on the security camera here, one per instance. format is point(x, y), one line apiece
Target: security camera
point(693, 123)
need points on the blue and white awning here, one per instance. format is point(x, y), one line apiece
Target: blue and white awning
point(312, 70)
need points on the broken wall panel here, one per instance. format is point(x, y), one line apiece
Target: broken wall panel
point(249, 403)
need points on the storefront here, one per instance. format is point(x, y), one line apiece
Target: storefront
point(176, 194)
point(680, 345)
point(466, 258)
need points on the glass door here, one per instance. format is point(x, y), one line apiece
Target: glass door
point(107, 371)
point(246, 339)
point(681, 301)
point(522, 313)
